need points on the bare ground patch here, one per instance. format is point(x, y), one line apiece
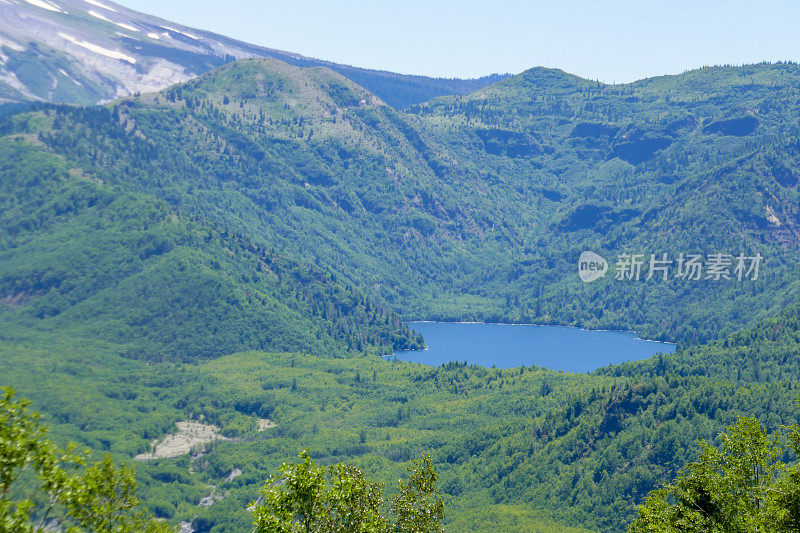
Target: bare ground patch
point(190, 435)
point(266, 423)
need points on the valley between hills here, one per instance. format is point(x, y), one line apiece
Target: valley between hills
point(217, 265)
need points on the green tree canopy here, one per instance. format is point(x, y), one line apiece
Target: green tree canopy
point(740, 486)
point(42, 485)
point(305, 497)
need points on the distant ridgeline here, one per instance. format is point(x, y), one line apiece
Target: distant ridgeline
point(476, 206)
point(397, 90)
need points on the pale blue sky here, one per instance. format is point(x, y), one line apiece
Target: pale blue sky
point(614, 41)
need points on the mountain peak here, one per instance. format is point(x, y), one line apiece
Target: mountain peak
point(275, 87)
point(546, 79)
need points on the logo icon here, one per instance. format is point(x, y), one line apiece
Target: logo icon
point(591, 266)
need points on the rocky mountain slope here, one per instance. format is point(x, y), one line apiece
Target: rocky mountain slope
point(88, 51)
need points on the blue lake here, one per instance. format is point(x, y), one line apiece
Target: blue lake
point(508, 346)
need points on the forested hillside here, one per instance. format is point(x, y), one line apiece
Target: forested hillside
point(235, 250)
point(703, 162)
point(530, 447)
point(478, 207)
point(80, 255)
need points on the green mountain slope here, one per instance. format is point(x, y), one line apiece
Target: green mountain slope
point(300, 159)
point(700, 162)
point(202, 252)
point(84, 256)
point(766, 352)
point(478, 207)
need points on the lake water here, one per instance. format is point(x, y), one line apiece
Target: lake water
point(507, 346)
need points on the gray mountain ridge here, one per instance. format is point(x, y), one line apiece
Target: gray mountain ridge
point(91, 51)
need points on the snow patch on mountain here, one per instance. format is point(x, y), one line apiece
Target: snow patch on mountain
point(122, 25)
point(97, 15)
point(70, 78)
point(10, 79)
point(98, 4)
point(44, 4)
point(127, 26)
point(11, 44)
point(97, 49)
point(189, 35)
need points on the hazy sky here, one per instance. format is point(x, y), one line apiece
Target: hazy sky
point(614, 41)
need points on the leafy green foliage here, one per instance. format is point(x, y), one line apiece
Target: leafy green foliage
point(99, 498)
point(740, 486)
point(307, 497)
point(417, 504)
point(298, 500)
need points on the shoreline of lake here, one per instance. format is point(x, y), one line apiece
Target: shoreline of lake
point(409, 322)
point(558, 347)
